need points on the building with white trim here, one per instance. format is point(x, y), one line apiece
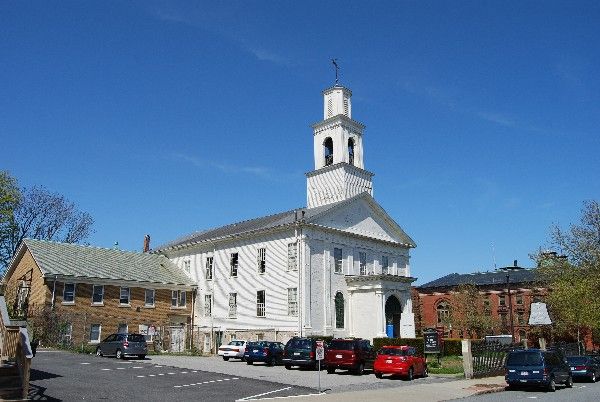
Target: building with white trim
point(338, 267)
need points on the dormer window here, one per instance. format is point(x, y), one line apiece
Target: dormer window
point(351, 151)
point(328, 145)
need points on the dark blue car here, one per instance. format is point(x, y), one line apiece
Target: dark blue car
point(537, 368)
point(585, 367)
point(270, 353)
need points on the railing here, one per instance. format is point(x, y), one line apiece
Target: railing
point(489, 358)
point(15, 345)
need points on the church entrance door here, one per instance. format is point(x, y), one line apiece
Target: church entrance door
point(393, 312)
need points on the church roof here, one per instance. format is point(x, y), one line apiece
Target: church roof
point(78, 261)
point(496, 277)
point(304, 215)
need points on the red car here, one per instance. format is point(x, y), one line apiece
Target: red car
point(400, 360)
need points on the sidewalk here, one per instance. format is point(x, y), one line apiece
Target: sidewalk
point(419, 392)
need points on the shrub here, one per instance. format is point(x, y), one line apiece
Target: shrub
point(452, 347)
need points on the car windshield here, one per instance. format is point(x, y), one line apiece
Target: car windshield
point(392, 352)
point(341, 345)
point(136, 338)
point(524, 359)
point(300, 344)
point(577, 360)
point(236, 343)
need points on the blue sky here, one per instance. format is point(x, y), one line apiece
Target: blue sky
point(169, 117)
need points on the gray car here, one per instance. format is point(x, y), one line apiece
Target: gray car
point(122, 345)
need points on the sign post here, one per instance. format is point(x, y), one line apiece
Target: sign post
point(319, 355)
point(432, 344)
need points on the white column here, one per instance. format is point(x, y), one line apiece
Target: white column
point(380, 314)
point(350, 321)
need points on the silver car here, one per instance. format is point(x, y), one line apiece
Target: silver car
point(122, 345)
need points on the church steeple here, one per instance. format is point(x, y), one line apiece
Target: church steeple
point(338, 152)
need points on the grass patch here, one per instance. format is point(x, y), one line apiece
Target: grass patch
point(447, 365)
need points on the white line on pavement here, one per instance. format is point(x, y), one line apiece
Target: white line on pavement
point(85, 363)
point(264, 393)
point(105, 369)
point(120, 368)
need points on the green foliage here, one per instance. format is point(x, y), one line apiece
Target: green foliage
point(574, 279)
point(10, 196)
point(467, 307)
point(452, 347)
point(447, 365)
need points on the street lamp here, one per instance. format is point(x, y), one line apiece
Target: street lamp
point(510, 310)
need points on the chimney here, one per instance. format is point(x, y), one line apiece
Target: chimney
point(515, 264)
point(146, 244)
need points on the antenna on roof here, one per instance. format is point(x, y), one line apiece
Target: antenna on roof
point(494, 254)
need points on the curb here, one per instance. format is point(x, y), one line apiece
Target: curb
point(491, 390)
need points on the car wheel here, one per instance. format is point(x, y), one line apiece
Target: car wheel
point(225, 358)
point(411, 374)
point(98, 352)
point(249, 362)
point(142, 356)
point(552, 385)
point(569, 382)
point(288, 367)
point(360, 369)
point(119, 354)
point(330, 370)
point(378, 375)
point(425, 371)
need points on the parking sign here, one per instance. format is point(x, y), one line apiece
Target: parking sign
point(320, 351)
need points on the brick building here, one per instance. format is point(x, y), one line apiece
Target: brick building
point(436, 298)
point(92, 292)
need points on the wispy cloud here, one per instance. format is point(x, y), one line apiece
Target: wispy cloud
point(498, 118)
point(265, 55)
point(258, 171)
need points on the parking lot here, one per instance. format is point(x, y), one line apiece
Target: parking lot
point(58, 375)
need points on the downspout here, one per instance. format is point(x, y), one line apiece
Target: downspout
point(54, 290)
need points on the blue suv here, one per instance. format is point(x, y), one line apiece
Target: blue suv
point(535, 367)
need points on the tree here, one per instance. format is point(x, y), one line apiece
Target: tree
point(574, 278)
point(42, 215)
point(10, 197)
point(469, 312)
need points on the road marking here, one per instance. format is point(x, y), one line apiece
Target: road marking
point(151, 375)
point(161, 374)
point(120, 368)
point(264, 393)
point(532, 397)
point(205, 382)
point(158, 366)
point(194, 371)
point(105, 369)
point(85, 363)
point(184, 372)
point(171, 373)
point(141, 376)
point(137, 367)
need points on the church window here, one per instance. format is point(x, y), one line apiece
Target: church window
point(346, 106)
point(329, 107)
point(384, 264)
point(519, 299)
point(209, 268)
point(339, 310)
point(362, 261)
point(328, 145)
point(260, 303)
point(262, 260)
point(337, 258)
point(293, 301)
point(292, 257)
point(443, 312)
point(207, 305)
point(232, 305)
point(233, 262)
point(351, 151)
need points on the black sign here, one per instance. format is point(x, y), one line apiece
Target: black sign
point(432, 342)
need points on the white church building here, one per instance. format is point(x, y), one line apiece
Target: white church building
point(338, 267)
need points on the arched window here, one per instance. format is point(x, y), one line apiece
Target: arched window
point(339, 310)
point(351, 151)
point(328, 144)
point(443, 312)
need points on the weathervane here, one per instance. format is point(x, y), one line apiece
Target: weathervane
point(337, 68)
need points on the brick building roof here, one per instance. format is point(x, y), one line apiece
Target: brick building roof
point(496, 277)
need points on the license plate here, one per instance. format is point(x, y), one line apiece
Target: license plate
point(388, 361)
point(338, 356)
point(573, 368)
point(296, 353)
point(255, 350)
point(524, 373)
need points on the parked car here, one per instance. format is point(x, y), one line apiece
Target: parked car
point(300, 352)
point(355, 355)
point(400, 360)
point(535, 367)
point(584, 367)
point(122, 345)
point(234, 349)
point(264, 351)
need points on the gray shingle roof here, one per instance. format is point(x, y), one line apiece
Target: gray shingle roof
point(269, 222)
point(79, 261)
point(497, 277)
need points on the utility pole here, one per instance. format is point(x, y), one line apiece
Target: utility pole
point(510, 310)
